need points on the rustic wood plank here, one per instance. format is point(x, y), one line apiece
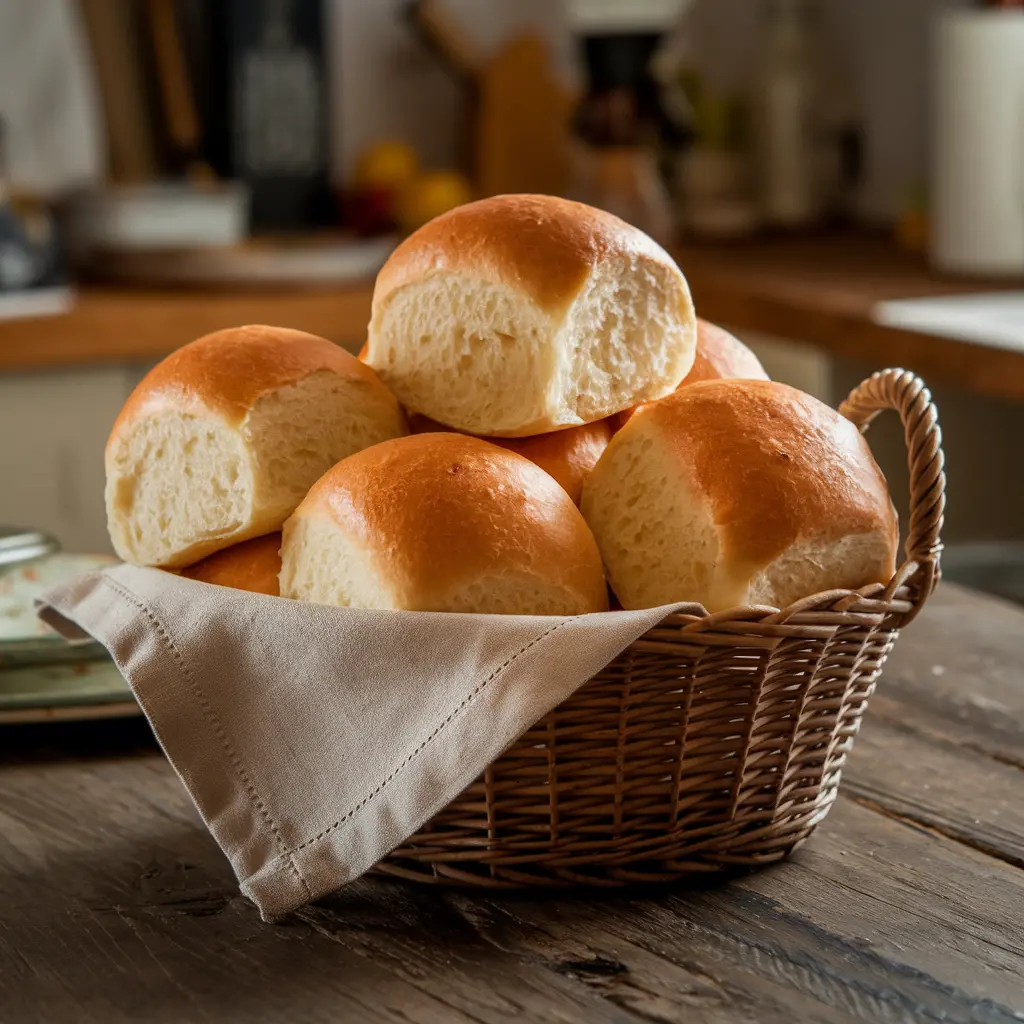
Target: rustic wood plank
point(116, 902)
point(657, 983)
point(942, 743)
point(873, 918)
point(941, 785)
point(957, 673)
point(116, 905)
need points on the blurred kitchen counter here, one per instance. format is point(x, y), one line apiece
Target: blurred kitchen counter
point(123, 326)
point(823, 290)
point(817, 290)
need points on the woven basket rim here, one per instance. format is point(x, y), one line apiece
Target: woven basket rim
point(713, 742)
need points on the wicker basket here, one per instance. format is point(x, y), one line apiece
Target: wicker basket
point(712, 742)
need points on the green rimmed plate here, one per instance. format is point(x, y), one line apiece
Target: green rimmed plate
point(88, 689)
point(42, 676)
point(24, 638)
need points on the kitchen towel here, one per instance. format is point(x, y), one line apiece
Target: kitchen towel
point(314, 740)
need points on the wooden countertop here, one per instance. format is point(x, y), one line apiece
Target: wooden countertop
point(116, 904)
point(822, 291)
point(817, 290)
point(135, 325)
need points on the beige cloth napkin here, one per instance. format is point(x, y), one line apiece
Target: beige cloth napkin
point(314, 740)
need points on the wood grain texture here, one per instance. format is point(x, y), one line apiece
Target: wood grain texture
point(818, 290)
point(907, 905)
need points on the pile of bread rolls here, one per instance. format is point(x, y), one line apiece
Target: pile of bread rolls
point(537, 424)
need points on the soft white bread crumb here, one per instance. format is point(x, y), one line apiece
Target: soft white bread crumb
point(221, 440)
point(737, 492)
point(442, 522)
point(568, 455)
point(519, 315)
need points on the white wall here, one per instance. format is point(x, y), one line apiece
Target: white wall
point(54, 426)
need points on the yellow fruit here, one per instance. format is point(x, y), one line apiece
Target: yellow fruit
point(430, 195)
point(386, 165)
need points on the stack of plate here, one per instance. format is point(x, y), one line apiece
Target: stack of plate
point(42, 676)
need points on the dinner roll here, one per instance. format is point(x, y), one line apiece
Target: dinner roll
point(253, 565)
point(738, 492)
point(442, 522)
point(220, 441)
point(719, 356)
point(568, 455)
point(523, 314)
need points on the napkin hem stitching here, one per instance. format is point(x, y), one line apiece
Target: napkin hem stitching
point(465, 700)
point(211, 717)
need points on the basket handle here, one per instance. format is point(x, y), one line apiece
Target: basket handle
point(906, 393)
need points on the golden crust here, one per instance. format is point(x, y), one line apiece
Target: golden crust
point(541, 245)
point(253, 565)
point(721, 356)
point(227, 371)
point(568, 455)
point(775, 464)
point(438, 512)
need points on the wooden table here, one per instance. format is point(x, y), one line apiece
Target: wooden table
point(819, 290)
point(907, 905)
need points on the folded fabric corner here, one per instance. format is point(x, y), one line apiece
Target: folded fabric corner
point(314, 740)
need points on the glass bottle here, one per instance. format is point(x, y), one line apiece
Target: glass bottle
point(797, 155)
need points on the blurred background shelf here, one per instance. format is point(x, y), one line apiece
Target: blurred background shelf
point(135, 326)
point(183, 208)
point(821, 291)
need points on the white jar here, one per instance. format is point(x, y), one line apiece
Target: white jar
point(977, 209)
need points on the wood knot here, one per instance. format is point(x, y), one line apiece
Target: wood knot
point(592, 967)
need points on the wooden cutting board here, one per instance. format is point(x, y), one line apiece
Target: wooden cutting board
point(523, 122)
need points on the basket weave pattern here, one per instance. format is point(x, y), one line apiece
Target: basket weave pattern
point(713, 741)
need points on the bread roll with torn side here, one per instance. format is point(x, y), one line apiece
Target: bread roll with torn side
point(523, 314)
point(720, 356)
point(253, 565)
point(442, 522)
point(739, 492)
point(568, 455)
point(221, 441)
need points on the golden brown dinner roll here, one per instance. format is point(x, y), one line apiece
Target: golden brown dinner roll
point(253, 565)
point(720, 356)
point(442, 522)
point(739, 492)
point(221, 440)
point(523, 314)
point(568, 455)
